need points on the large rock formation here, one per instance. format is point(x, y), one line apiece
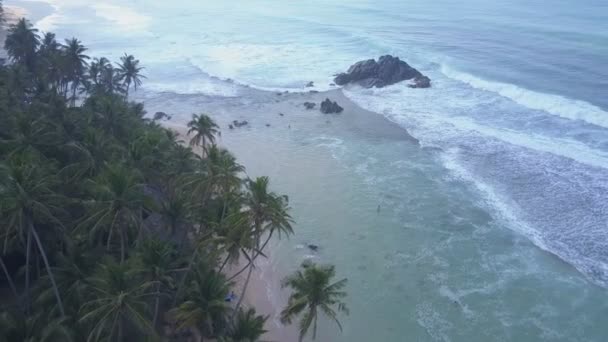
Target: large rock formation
point(386, 71)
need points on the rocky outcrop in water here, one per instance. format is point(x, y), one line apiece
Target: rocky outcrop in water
point(329, 107)
point(386, 71)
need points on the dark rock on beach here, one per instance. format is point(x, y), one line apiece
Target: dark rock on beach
point(237, 123)
point(313, 247)
point(310, 84)
point(386, 71)
point(329, 107)
point(309, 105)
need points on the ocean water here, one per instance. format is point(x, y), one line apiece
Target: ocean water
point(496, 227)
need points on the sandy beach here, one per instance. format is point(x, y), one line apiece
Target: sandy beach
point(263, 151)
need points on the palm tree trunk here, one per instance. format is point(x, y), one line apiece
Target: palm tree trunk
point(120, 330)
point(122, 247)
point(28, 252)
point(9, 279)
point(156, 304)
point(236, 308)
point(224, 263)
point(48, 269)
point(253, 258)
point(183, 281)
point(204, 151)
point(314, 327)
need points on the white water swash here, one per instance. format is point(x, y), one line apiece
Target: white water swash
point(495, 228)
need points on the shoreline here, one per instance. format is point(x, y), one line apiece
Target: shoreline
point(261, 108)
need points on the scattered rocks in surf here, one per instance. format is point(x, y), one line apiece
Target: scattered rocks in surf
point(310, 84)
point(230, 126)
point(309, 105)
point(386, 71)
point(420, 82)
point(237, 123)
point(330, 107)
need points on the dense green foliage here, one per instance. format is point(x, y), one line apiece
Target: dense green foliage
point(111, 228)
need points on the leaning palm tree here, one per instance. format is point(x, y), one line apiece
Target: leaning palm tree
point(223, 172)
point(268, 213)
point(156, 263)
point(118, 300)
point(129, 72)
point(205, 308)
point(313, 292)
point(27, 197)
point(76, 63)
point(118, 206)
point(246, 327)
point(204, 129)
point(21, 43)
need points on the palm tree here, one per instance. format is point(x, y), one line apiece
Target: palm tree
point(234, 235)
point(224, 173)
point(118, 300)
point(51, 61)
point(72, 271)
point(129, 72)
point(313, 291)
point(22, 42)
point(156, 264)
point(27, 196)
point(97, 68)
point(247, 327)
point(76, 62)
point(205, 130)
point(268, 213)
point(205, 308)
point(118, 206)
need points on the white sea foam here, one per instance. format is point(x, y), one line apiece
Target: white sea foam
point(125, 18)
point(553, 104)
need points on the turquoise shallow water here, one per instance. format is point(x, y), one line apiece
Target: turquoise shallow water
point(495, 228)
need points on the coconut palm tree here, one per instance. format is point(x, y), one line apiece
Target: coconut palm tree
point(156, 263)
point(76, 64)
point(247, 326)
point(97, 68)
point(313, 292)
point(268, 213)
point(27, 197)
point(223, 171)
point(118, 300)
point(21, 43)
point(129, 72)
point(205, 309)
point(118, 206)
point(235, 238)
point(72, 271)
point(204, 129)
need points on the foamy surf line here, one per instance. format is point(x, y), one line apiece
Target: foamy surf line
point(552, 104)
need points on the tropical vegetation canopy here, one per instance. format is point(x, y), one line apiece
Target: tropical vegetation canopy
point(111, 229)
